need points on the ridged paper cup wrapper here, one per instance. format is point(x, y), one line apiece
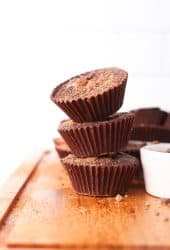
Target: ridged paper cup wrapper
point(97, 138)
point(101, 180)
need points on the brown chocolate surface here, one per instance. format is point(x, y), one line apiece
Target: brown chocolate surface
point(149, 116)
point(164, 116)
point(167, 121)
point(114, 160)
point(90, 84)
point(133, 148)
point(70, 124)
point(150, 133)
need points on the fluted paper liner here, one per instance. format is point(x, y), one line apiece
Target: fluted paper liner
point(95, 108)
point(101, 181)
point(100, 138)
point(138, 177)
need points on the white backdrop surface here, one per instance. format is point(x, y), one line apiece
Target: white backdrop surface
point(43, 42)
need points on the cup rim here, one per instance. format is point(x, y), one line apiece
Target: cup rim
point(152, 148)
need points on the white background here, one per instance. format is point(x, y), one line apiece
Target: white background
point(43, 43)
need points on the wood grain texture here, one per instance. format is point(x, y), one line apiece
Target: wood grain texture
point(52, 215)
point(13, 186)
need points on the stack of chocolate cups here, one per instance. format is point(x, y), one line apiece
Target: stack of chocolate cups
point(95, 133)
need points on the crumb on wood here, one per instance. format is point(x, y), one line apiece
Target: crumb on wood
point(46, 152)
point(147, 204)
point(166, 219)
point(118, 197)
point(82, 210)
point(126, 195)
point(131, 210)
point(36, 211)
point(4, 223)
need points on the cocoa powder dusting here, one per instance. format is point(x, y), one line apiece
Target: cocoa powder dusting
point(91, 84)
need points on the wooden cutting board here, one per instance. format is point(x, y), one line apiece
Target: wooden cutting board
point(39, 209)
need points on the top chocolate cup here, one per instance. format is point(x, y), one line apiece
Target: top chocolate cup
point(92, 96)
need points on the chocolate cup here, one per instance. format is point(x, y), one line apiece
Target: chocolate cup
point(61, 147)
point(167, 122)
point(149, 116)
point(95, 108)
point(62, 153)
point(99, 180)
point(164, 117)
point(138, 178)
point(98, 138)
point(150, 133)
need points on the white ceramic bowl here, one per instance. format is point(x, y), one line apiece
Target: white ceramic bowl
point(156, 168)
